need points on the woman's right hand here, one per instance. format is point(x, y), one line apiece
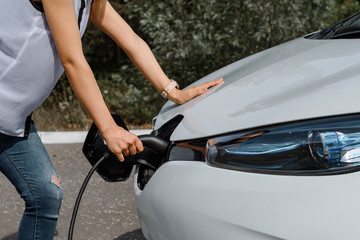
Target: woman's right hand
point(121, 142)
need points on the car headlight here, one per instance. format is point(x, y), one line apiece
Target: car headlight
point(322, 146)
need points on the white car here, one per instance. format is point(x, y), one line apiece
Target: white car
point(272, 153)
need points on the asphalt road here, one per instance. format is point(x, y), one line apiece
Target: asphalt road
point(107, 210)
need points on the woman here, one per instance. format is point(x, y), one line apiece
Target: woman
point(38, 41)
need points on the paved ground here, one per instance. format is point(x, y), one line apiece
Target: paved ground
point(107, 210)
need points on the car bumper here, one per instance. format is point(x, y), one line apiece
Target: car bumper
point(192, 200)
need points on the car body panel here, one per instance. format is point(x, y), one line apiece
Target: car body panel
point(297, 80)
point(192, 200)
point(303, 79)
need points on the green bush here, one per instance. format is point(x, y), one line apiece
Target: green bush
point(190, 39)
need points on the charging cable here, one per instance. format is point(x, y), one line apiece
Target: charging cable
point(81, 192)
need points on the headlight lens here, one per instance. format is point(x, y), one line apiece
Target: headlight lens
point(325, 146)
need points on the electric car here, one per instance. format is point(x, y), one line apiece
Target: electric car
point(272, 153)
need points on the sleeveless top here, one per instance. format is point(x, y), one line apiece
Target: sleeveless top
point(29, 63)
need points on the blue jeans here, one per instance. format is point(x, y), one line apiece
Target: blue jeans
point(26, 163)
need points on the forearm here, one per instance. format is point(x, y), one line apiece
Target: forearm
point(110, 22)
point(144, 59)
point(86, 89)
point(118, 140)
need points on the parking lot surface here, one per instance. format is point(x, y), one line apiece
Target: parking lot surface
point(107, 210)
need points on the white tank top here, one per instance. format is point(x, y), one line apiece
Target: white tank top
point(29, 63)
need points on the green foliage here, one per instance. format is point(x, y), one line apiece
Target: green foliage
point(193, 38)
point(190, 39)
point(343, 9)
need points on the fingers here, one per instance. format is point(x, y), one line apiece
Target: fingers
point(126, 152)
point(132, 150)
point(198, 90)
point(139, 146)
point(120, 157)
point(182, 96)
point(203, 87)
point(123, 143)
point(212, 83)
point(132, 146)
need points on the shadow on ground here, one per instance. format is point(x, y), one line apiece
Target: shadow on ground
point(14, 236)
point(134, 235)
point(10, 237)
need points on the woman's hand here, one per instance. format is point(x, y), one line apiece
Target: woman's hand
point(121, 142)
point(182, 96)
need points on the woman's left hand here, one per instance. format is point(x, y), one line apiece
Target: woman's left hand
point(182, 96)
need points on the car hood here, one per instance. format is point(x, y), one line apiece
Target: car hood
point(297, 80)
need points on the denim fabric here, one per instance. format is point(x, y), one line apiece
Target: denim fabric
point(25, 162)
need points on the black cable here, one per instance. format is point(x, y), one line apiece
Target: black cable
point(157, 145)
point(81, 192)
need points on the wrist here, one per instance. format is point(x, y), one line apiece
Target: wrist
point(174, 95)
point(107, 126)
point(172, 86)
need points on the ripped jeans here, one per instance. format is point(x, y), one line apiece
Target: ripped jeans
point(25, 162)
